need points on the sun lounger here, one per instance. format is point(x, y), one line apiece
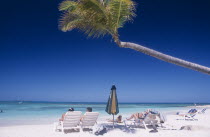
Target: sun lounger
point(89, 120)
point(202, 111)
point(71, 121)
point(189, 115)
point(191, 111)
point(150, 119)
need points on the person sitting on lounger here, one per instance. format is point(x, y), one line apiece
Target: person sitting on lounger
point(70, 110)
point(88, 109)
point(118, 120)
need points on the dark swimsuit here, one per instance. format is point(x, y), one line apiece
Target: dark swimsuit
point(140, 117)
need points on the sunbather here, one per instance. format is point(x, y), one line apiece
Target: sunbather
point(118, 120)
point(63, 115)
point(137, 115)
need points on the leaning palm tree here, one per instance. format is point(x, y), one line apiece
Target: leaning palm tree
point(97, 18)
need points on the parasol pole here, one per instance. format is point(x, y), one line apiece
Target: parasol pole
point(113, 120)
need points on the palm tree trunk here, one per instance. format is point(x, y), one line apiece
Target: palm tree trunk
point(165, 57)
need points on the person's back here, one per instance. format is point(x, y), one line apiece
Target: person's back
point(63, 115)
point(88, 109)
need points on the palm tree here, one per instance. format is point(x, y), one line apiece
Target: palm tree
point(97, 18)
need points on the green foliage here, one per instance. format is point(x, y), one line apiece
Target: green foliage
point(96, 17)
point(67, 6)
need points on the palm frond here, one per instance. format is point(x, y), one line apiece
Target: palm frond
point(67, 5)
point(95, 17)
point(121, 11)
point(70, 21)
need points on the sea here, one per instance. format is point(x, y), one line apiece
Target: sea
point(39, 112)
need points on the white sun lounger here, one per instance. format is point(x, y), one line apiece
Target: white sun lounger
point(189, 115)
point(89, 120)
point(71, 121)
point(150, 119)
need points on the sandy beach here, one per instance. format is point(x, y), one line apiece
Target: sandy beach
point(171, 128)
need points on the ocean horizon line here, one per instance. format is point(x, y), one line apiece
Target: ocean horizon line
point(98, 102)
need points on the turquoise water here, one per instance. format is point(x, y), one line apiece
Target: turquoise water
point(48, 112)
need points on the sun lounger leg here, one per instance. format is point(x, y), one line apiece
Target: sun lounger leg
point(153, 125)
point(55, 126)
point(125, 123)
point(81, 129)
point(145, 126)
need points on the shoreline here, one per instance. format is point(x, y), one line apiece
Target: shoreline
point(172, 129)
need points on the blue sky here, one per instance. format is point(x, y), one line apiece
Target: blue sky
point(39, 62)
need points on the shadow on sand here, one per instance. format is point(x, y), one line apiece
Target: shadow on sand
point(109, 128)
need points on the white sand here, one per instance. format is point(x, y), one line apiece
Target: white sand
point(200, 128)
